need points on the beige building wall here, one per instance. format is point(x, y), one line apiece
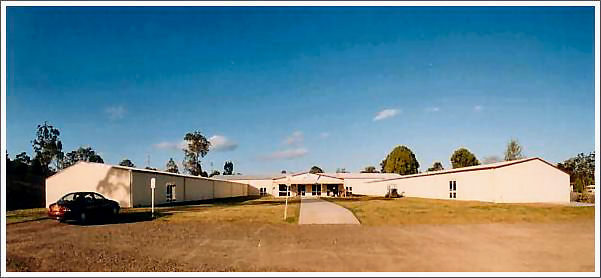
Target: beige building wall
point(142, 194)
point(532, 181)
point(363, 187)
point(470, 185)
point(526, 182)
point(198, 189)
point(255, 185)
point(113, 183)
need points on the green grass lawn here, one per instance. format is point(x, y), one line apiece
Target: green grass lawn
point(382, 211)
point(24, 215)
point(241, 209)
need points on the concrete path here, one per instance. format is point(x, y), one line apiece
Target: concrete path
point(316, 211)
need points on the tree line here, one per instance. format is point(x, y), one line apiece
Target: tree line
point(26, 175)
point(401, 160)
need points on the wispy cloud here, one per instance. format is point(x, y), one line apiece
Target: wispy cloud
point(220, 143)
point(295, 139)
point(115, 112)
point(166, 145)
point(432, 109)
point(285, 154)
point(324, 135)
point(386, 113)
point(478, 108)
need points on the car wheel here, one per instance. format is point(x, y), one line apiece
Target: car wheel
point(115, 212)
point(83, 218)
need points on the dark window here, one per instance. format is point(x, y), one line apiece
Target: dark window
point(170, 193)
point(452, 189)
point(283, 190)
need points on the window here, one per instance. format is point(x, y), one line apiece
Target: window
point(452, 189)
point(349, 190)
point(283, 190)
point(316, 190)
point(68, 197)
point(98, 196)
point(263, 191)
point(170, 194)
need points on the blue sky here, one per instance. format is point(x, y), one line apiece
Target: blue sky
point(290, 87)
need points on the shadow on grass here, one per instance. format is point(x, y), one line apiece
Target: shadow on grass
point(220, 201)
point(123, 218)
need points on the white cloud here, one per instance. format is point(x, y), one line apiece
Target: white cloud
point(285, 154)
point(295, 139)
point(220, 143)
point(386, 113)
point(432, 109)
point(165, 145)
point(478, 108)
point(115, 112)
point(324, 135)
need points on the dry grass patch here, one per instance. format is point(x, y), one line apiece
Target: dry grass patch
point(262, 210)
point(382, 211)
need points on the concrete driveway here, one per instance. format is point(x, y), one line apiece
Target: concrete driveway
point(317, 211)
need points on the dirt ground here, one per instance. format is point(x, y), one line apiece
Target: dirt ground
point(46, 245)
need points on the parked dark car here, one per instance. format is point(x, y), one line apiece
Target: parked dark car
point(83, 207)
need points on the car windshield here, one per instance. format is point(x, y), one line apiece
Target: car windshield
point(98, 196)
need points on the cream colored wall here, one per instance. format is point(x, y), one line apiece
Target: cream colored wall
point(113, 183)
point(198, 189)
point(142, 194)
point(255, 185)
point(362, 187)
point(471, 185)
point(187, 188)
point(532, 181)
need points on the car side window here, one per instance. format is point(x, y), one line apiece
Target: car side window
point(98, 196)
point(88, 197)
point(68, 197)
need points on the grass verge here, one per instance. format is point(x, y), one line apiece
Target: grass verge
point(382, 211)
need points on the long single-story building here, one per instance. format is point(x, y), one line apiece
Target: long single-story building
point(131, 186)
point(306, 184)
point(527, 180)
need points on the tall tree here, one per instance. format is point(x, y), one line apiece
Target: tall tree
point(400, 160)
point(581, 169)
point(462, 157)
point(513, 150)
point(341, 170)
point(437, 166)
point(48, 147)
point(81, 154)
point(171, 166)
point(369, 169)
point(127, 163)
point(197, 146)
point(315, 170)
point(228, 168)
point(283, 172)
